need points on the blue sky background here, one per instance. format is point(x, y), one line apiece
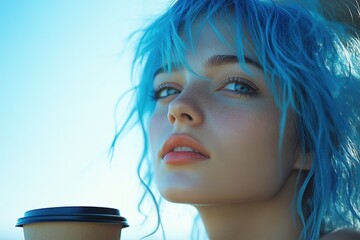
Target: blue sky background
point(62, 69)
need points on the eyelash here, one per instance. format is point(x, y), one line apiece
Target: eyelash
point(245, 82)
point(155, 96)
point(156, 92)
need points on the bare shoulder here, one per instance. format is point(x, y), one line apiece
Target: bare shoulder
point(343, 234)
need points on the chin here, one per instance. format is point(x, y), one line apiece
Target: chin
point(185, 196)
point(202, 197)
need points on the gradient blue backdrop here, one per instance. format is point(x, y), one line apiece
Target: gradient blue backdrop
point(62, 69)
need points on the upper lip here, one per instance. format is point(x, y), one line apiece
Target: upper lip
point(182, 140)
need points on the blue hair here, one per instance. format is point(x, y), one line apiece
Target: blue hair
point(315, 62)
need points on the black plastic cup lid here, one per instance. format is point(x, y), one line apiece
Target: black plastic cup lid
point(73, 214)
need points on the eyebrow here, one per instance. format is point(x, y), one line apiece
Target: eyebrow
point(214, 61)
point(218, 60)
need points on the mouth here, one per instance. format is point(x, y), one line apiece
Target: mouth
point(181, 149)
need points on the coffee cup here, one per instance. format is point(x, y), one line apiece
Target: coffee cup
point(72, 223)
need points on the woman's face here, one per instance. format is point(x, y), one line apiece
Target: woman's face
point(231, 122)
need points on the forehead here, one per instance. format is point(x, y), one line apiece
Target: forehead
point(205, 38)
point(210, 41)
point(216, 33)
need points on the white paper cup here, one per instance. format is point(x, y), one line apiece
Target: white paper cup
point(72, 223)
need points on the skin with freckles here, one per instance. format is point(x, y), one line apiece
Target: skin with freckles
point(232, 114)
point(239, 129)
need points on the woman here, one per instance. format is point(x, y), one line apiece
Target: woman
point(250, 114)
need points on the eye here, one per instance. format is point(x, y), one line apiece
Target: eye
point(163, 91)
point(239, 86)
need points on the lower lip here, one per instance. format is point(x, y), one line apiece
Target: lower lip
point(178, 158)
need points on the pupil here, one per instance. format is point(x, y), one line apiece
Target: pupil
point(171, 91)
point(241, 88)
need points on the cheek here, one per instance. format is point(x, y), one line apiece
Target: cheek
point(246, 155)
point(157, 132)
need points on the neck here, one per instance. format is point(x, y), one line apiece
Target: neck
point(270, 219)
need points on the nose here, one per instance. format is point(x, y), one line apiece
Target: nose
point(185, 109)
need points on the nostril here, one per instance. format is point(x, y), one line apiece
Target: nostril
point(184, 111)
point(182, 117)
point(185, 115)
point(171, 118)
